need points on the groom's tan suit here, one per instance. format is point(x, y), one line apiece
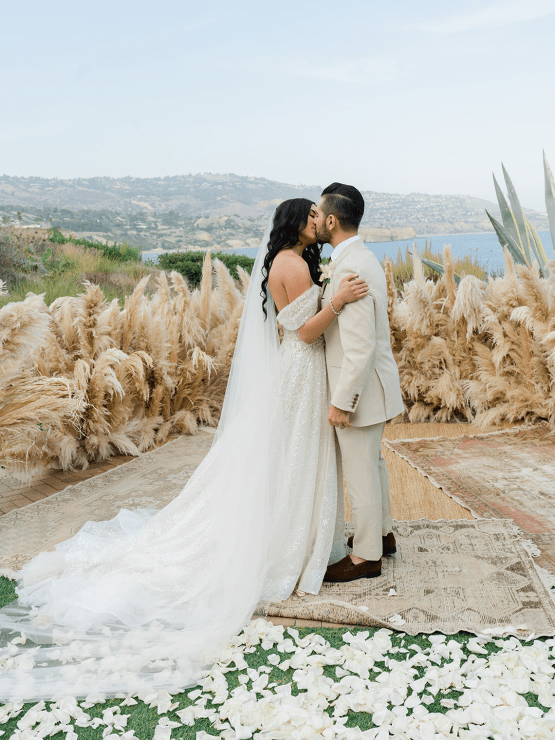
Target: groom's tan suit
point(363, 380)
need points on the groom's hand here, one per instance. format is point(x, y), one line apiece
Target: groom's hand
point(339, 418)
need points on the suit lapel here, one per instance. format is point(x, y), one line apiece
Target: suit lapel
point(352, 247)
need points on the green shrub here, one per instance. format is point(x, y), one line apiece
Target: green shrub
point(53, 264)
point(12, 260)
point(121, 252)
point(20, 253)
point(189, 264)
point(118, 252)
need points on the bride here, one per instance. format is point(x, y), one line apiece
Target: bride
point(146, 600)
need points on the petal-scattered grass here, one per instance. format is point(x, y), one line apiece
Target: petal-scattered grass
point(276, 682)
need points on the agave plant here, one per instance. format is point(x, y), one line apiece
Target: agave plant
point(433, 265)
point(516, 233)
point(439, 268)
point(549, 197)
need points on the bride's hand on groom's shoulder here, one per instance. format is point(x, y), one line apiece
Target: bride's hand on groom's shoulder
point(352, 288)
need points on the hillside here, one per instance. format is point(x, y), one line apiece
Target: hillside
point(224, 210)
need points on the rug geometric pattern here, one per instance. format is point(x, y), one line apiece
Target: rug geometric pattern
point(447, 576)
point(501, 475)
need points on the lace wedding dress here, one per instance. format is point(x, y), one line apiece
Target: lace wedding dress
point(145, 601)
point(307, 530)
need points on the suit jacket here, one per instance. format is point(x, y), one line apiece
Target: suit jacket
point(362, 371)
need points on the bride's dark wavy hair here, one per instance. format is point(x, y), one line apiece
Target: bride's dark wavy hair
point(290, 219)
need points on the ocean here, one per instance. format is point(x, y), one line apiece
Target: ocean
point(485, 248)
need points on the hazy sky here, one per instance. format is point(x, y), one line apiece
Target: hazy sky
point(399, 96)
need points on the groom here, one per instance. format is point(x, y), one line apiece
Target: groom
point(363, 380)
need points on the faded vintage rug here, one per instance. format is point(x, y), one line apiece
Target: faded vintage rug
point(446, 576)
point(151, 480)
point(501, 475)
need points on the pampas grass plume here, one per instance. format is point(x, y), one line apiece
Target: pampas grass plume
point(81, 380)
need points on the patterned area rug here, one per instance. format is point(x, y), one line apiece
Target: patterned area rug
point(446, 576)
point(151, 480)
point(501, 475)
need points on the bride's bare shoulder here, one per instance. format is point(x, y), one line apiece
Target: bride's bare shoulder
point(288, 265)
point(289, 277)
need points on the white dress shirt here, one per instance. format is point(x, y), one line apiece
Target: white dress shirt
point(341, 246)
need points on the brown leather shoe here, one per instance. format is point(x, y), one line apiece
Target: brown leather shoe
point(345, 570)
point(388, 543)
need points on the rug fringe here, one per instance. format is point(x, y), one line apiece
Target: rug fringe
point(545, 576)
point(430, 477)
point(531, 548)
point(389, 443)
point(522, 427)
point(9, 573)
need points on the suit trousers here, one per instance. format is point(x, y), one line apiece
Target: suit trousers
point(367, 481)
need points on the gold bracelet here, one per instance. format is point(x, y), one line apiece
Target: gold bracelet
point(333, 309)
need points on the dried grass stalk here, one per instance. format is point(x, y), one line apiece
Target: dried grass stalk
point(116, 380)
point(480, 351)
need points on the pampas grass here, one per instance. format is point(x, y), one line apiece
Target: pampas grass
point(114, 380)
point(34, 409)
point(482, 351)
point(403, 267)
point(82, 379)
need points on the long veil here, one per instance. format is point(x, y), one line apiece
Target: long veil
point(144, 602)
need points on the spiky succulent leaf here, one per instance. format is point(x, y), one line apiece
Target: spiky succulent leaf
point(506, 240)
point(438, 268)
point(519, 217)
point(506, 214)
point(538, 248)
point(549, 198)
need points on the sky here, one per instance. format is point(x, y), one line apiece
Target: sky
point(398, 96)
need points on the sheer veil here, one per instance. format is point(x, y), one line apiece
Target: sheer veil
point(254, 364)
point(145, 601)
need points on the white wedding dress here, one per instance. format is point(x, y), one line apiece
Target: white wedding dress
point(307, 530)
point(145, 601)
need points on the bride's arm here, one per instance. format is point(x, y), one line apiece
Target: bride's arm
point(296, 281)
point(351, 289)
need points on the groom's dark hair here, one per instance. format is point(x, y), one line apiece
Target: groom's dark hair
point(344, 202)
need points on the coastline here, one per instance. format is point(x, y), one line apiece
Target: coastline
point(226, 248)
point(482, 246)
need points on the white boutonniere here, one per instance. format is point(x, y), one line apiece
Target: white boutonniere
point(326, 271)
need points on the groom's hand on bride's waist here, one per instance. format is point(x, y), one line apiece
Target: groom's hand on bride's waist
point(339, 418)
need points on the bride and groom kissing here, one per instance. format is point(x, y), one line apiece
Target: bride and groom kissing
point(346, 324)
point(160, 592)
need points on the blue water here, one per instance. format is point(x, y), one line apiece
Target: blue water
point(485, 248)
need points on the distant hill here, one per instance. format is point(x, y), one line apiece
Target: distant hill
point(224, 210)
